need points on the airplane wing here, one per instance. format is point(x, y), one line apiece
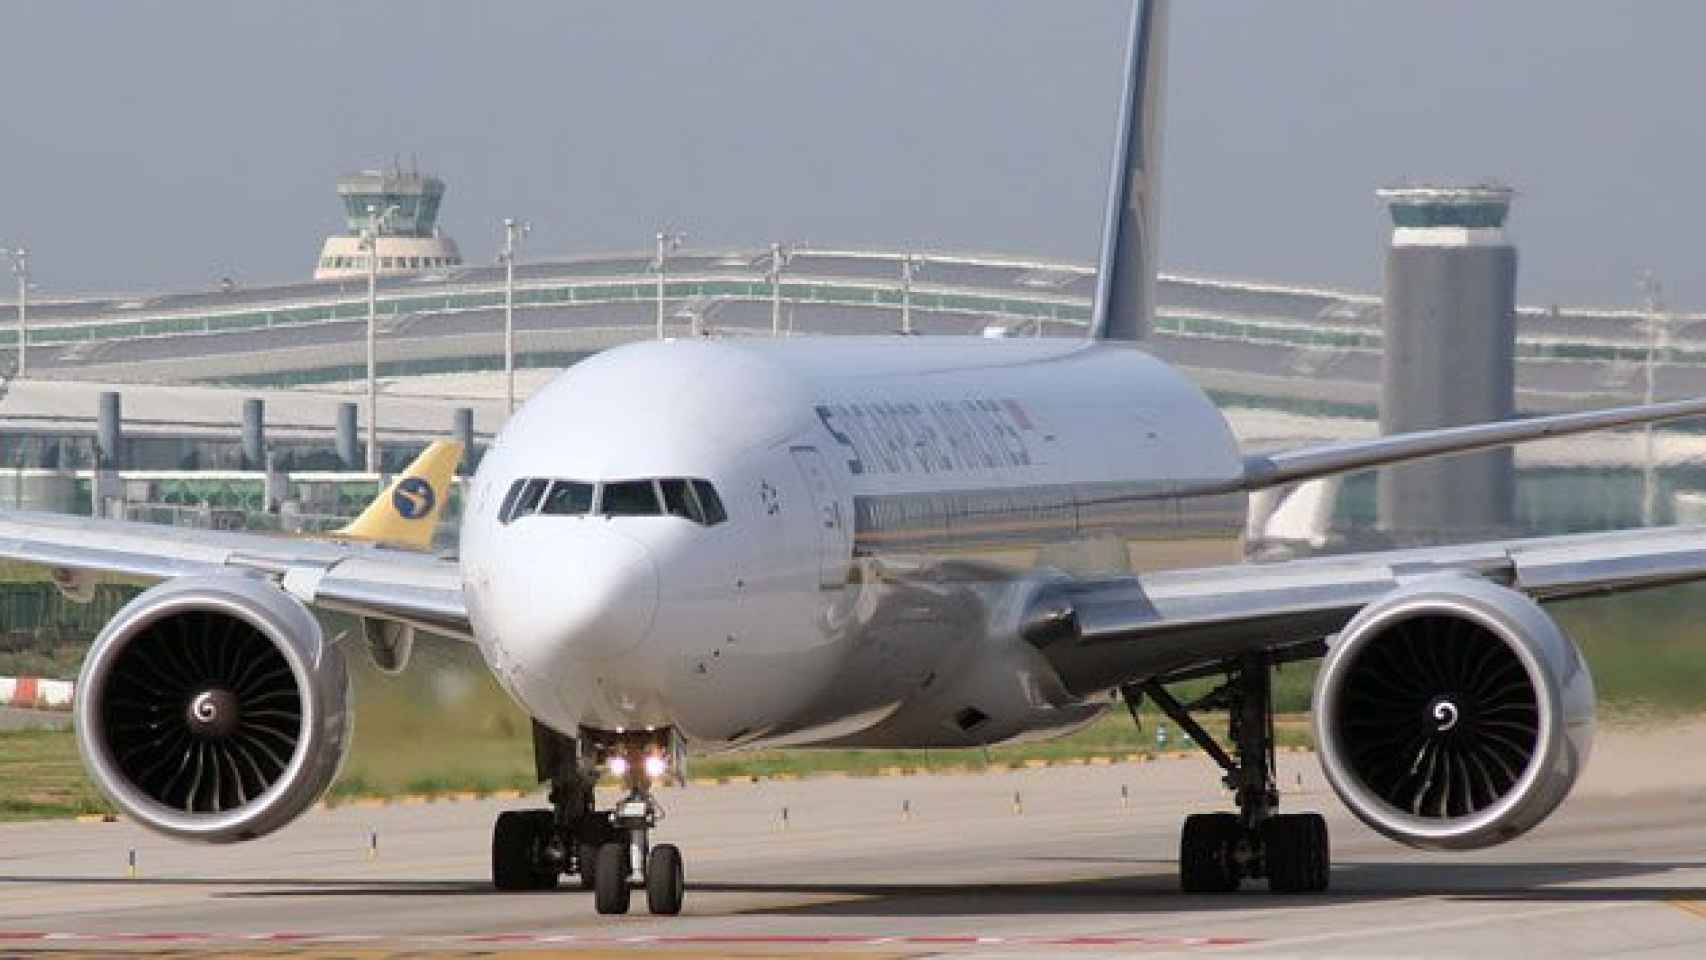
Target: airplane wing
point(1105, 632)
point(350, 571)
point(418, 589)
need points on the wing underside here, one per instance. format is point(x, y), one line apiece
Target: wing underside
point(418, 589)
point(1104, 632)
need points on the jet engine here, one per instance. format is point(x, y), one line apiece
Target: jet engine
point(1453, 714)
point(212, 708)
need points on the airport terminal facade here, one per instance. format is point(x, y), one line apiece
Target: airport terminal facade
point(1296, 363)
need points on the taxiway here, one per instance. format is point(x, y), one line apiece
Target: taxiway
point(945, 864)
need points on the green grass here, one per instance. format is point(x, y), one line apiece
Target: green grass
point(42, 776)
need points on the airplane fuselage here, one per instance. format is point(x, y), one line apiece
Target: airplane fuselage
point(890, 503)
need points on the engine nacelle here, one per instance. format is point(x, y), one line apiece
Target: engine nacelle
point(212, 708)
point(1453, 714)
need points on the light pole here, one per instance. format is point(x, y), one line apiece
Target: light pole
point(907, 263)
point(370, 243)
point(20, 258)
point(668, 242)
point(1653, 295)
point(513, 231)
point(779, 257)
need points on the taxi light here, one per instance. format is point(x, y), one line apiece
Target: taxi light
point(619, 766)
point(654, 766)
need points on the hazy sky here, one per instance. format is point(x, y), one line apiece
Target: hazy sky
point(161, 145)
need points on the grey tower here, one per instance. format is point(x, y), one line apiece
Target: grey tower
point(1450, 345)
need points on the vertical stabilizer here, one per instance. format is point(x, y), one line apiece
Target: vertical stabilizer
point(406, 513)
point(1125, 277)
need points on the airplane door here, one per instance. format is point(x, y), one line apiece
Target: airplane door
point(832, 549)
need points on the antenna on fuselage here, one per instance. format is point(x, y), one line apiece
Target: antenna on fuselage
point(1125, 275)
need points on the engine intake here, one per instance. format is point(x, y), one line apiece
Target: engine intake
point(1453, 714)
point(212, 708)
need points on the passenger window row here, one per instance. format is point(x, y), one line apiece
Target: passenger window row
point(694, 500)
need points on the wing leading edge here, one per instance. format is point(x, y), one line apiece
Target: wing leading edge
point(1100, 633)
point(418, 589)
point(1308, 463)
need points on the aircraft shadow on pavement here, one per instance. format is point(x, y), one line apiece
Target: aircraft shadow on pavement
point(1153, 891)
point(1158, 893)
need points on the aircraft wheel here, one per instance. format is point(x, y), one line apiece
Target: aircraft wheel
point(519, 841)
point(1297, 853)
point(1207, 847)
point(666, 885)
point(610, 890)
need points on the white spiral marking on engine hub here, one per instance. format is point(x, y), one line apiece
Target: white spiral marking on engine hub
point(1446, 713)
point(204, 707)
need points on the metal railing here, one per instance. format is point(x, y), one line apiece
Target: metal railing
point(737, 276)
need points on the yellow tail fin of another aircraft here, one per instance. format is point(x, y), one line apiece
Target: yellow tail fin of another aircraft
point(406, 513)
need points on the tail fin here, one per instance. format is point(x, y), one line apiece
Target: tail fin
point(407, 512)
point(1125, 276)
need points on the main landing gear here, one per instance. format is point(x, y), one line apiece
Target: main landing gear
point(610, 851)
point(1219, 851)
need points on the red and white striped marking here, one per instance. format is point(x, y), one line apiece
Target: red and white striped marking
point(685, 939)
point(33, 693)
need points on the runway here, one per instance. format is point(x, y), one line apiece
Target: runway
point(1017, 863)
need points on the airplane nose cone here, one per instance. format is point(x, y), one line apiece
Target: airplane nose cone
point(577, 589)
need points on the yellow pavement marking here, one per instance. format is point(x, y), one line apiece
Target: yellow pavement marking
point(1696, 907)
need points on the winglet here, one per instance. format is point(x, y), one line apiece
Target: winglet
point(407, 512)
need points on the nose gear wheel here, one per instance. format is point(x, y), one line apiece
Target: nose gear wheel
point(533, 849)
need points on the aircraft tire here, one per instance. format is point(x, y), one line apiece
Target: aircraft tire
point(1297, 853)
point(610, 891)
point(666, 885)
point(519, 839)
point(1206, 846)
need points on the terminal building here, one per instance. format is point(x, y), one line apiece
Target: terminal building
point(401, 209)
point(1292, 363)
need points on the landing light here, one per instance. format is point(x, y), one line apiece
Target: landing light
point(654, 766)
point(619, 766)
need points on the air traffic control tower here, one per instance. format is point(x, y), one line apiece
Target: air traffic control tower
point(405, 208)
point(1449, 359)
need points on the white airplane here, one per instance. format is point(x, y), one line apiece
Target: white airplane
point(882, 542)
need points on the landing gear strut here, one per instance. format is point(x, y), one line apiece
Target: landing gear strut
point(609, 850)
point(1219, 851)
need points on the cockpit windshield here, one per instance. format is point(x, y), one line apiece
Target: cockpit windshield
point(629, 498)
point(689, 499)
point(568, 498)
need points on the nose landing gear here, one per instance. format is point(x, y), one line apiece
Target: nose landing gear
point(610, 850)
point(629, 856)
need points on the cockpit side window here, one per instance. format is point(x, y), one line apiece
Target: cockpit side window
point(629, 498)
point(568, 498)
point(710, 505)
point(528, 501)
point(678, 500)
point(513, 494)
